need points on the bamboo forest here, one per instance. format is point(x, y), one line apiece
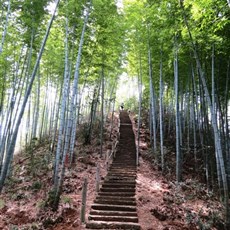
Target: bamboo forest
point(115, 114)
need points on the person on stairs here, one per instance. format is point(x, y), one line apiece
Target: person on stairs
point(122, 106)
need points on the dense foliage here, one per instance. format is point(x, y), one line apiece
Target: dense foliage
point(177, 51)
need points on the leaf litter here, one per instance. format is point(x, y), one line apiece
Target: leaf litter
point(161, 203)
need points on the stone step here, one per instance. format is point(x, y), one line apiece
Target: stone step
point(125, 162)
point(117, 189)
point(124, 153)
point(120, 178)
point(117, 179)
point(134, 174)
point(114, 207)
point(121, 158)
point(118, 194)
point(124, 140)
point(122, 175)
point(116, 198)
point(123, 169)
point(126, 156)
point(112, 225)
point(115, 202)
point(123, 166)
point(114, 218)
point(126, 165)
point(120, 181)
point(118, 185)
point(112, 213)
point(123, 172)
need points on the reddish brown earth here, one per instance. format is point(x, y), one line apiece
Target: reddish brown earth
point(160, 203)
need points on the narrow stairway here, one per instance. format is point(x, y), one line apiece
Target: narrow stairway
point(115, 204)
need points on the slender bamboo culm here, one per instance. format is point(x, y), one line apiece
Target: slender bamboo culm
point(83, 202)
point(97, 178)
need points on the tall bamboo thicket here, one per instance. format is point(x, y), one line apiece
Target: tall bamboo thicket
point(185, 69)
point(53, 58)
point(60, 62)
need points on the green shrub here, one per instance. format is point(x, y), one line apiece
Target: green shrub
point(36, 186)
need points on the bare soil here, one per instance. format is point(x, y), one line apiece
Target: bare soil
point(161, 204)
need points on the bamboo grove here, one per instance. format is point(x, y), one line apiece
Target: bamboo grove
point(179, 50)
point(60, 63)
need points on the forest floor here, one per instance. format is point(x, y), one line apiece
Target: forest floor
point(161, 204)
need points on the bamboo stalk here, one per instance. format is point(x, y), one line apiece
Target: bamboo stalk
point(97, 178)
point(83, 202)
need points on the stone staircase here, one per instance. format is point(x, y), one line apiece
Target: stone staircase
point(115, 204)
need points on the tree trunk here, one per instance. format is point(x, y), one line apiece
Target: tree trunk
point(139, 108)
point(65, 91)
point(112, 119)
point(178, 152)
point(102, 110)
point(227, 143)
point(193, 114)
point(152, 103)
point(5, 28)
point(161, 115)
